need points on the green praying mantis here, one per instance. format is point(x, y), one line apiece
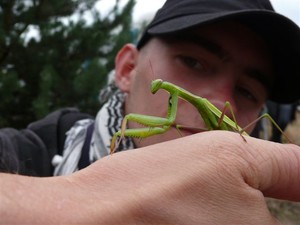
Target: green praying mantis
point(213, 118)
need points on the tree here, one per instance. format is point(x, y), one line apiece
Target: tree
point(65, 65)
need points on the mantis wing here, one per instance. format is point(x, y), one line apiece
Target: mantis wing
point(225, 119)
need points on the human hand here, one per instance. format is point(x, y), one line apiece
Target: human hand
point(208, 178)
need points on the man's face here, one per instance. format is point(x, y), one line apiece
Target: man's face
point(221, 62)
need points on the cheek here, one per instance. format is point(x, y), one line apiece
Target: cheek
point(142, 101)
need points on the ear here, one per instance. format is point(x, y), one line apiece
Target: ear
point(125, 64)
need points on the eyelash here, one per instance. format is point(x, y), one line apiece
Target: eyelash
point(247, 93)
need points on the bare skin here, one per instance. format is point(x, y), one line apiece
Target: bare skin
point(230, 73)
point(224, 182)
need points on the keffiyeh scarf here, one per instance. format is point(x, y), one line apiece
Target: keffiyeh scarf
point(107, 122)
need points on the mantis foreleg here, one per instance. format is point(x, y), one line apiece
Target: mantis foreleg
point(156, 125)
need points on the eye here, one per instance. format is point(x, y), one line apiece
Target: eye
point(246, 93)
point(192, 62)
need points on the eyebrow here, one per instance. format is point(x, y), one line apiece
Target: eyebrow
point(203, 42)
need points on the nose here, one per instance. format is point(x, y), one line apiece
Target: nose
point(228, 109)
point(220, 94)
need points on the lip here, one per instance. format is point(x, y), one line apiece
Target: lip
point(189, 130)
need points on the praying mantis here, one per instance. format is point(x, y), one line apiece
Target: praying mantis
point(213, 118)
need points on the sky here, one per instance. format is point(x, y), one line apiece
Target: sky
point(144, 9)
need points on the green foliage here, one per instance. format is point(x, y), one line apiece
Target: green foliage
point(66, 65)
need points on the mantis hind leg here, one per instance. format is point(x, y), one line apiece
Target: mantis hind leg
point(228, 106)
point(266, 115)
point(243, 130)
point(233, 124)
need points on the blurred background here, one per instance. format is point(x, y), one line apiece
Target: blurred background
point(58, 53)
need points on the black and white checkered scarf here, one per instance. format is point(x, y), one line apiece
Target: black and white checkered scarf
point(108, 121)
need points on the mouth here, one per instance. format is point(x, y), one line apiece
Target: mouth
point(188, 130)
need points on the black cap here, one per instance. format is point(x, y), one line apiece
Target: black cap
point(280, 33)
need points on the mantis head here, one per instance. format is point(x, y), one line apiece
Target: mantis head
point(156, 85)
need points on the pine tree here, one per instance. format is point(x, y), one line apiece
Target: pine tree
point(66, 65)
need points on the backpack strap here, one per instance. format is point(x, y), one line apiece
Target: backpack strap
point(52, 129)
point(84, 160)
point(47, 129)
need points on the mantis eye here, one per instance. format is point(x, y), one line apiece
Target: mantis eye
point(170, 101)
